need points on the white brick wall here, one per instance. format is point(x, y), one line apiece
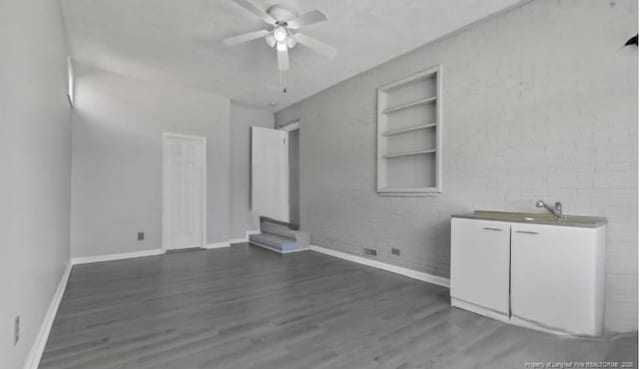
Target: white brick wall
point(539, 103)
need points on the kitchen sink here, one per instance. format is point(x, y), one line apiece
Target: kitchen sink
point(536, 218)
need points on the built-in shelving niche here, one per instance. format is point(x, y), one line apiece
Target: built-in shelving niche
point(409, 135)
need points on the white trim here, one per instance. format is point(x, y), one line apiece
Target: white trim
point(37, 348)
point(110, 257)
point(292, 126)
point(425, 277)
point(203, 139)
point(479, 310)
point(217, 245)
point(513, 319)
point(246, 237)
point(139, 254)
point(525, 323)
point(296, 250)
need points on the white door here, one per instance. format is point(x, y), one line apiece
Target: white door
point(480, 263)
point(270, 173)
point(183, 191)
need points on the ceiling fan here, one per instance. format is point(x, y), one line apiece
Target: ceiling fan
point(283, 35)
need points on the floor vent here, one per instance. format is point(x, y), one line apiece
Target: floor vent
point(370, 252)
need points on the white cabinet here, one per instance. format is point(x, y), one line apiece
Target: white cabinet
point(557, 277)
point(547, 277)
point(480, 264)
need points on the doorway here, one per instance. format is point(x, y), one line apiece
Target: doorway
point(293, 130)
point(184, 196)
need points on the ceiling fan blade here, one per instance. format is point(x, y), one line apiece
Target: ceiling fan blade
point(245, 37)
point(315, 45)
point(283, 57)
point(253, 8)
point(314, 16)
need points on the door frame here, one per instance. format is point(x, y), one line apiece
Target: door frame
point(291, 126)
point(165, 137)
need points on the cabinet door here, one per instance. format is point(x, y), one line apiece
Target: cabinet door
point(555, 277)
point(480, 263)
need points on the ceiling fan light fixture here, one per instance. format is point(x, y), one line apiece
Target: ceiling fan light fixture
point(280, 33)
point(271, 41)
point(291, 42)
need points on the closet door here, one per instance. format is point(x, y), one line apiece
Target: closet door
point(270, 173)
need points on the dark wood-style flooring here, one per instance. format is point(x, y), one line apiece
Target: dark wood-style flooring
point(245, 307)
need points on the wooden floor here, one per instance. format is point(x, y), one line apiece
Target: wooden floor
point(245, 307)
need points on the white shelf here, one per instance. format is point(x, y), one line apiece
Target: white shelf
point(408, 191)
point(408, 105)
point(398, 131)
point(408, 153)
point(409, 159)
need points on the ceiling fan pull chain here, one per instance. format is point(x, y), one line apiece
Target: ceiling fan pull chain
point(283, 81)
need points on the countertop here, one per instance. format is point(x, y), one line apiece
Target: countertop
point(536, 218)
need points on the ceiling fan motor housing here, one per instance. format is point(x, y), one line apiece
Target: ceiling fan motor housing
point(281, 14)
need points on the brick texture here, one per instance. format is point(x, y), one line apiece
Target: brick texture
point(540, 102)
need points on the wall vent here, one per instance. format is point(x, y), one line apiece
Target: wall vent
point(395, 251)
point(370, 252)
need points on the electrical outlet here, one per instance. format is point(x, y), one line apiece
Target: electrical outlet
point(370, 252)
point(140, 236)
point(16, 330)
point(395, 251)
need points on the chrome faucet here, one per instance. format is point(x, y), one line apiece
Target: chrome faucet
point(556, 210)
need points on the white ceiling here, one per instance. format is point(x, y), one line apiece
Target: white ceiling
point(181, 41)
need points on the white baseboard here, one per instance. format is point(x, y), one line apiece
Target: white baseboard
point(110, 257)
point(217, 245)
point(246, 237)
point(425, 277)
point(298, 250)
point(138, 254)
point(35, 354)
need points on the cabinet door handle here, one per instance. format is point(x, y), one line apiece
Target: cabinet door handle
point(527, 232)
point(492, 229)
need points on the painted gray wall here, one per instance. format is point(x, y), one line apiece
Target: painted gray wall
point(35, 162)
point(540, 102)
point(242, 118)
point(117, 159)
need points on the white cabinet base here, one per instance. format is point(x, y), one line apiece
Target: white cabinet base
point(513, 320)
point(540, 327)
point(479, 310)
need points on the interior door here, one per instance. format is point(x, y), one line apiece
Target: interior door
point(270, 173)
point(184, 191)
